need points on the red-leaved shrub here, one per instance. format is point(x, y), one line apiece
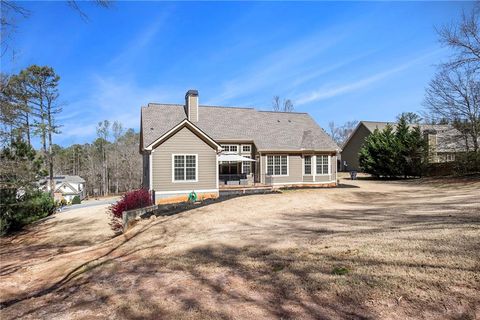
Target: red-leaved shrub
point(131, 200)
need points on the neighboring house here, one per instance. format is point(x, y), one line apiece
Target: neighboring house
point(66, 187)
point(200, 148)
point(444, 142)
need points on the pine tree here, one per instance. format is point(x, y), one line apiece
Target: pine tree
point(41, 89)
point(393, 154)
point(403, 142)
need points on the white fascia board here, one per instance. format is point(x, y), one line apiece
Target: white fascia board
point(183, 123)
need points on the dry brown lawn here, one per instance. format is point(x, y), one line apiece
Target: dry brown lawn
point(370, 249)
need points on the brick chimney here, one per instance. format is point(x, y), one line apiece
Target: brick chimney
point(191, 105)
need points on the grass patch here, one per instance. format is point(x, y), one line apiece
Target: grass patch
point(340, 271)
point(278, 268)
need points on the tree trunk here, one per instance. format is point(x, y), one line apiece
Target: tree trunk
point(27, 128)
point(50, 171)
point(105, 172)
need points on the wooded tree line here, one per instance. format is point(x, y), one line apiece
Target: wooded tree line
point(29, 108)
point(29, 105)
point(109, 164)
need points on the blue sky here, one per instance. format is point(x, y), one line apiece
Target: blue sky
point(338, 61)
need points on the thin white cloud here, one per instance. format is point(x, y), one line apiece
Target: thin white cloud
point(280, 65)
point(76, 131)
point(330, 91)
point(141, 41)
point(111, 98)
point(315, 73)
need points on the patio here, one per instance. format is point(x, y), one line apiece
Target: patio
point(235, 171)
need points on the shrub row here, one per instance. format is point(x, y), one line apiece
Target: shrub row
point(18, 211)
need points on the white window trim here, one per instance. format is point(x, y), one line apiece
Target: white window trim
point(246, 162)
point(246, 145)
point(319, 156)
point(230, 145)
point(173, 167)
point(185, 122)
point(277, 175)
point(312, 171)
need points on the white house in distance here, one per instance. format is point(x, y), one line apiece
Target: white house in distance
point(66, 187)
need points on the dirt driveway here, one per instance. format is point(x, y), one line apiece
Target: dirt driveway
point(370, 249)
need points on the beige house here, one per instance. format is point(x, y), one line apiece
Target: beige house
point(191, 147)
point(444, 142)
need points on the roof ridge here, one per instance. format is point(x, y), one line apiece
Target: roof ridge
point(224, 107)
point(377, 121)
point(229, 107)
point(163, 104)
point(283, 112)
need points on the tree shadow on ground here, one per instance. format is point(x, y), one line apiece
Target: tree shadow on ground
point(403, 261)
point(225, 282)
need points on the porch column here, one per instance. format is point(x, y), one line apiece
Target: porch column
point(217, 169)
point(314, 166)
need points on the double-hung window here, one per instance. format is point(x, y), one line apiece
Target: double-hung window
point(185, 167)
point(307, 165)
point(246, 166)
point(277, 165)
point(322, 165)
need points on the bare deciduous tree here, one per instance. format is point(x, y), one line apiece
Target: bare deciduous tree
point(276, 102)
point(410, 117)
point(287, 105)
point(117, 130)
point(11, 11)
point(464, 39)
point(75, 6)
point(341, 133)
point(455, 94)
point(124, 163)
point(103, 132)
point(279, 105)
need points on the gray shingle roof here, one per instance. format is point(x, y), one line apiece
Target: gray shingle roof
point(282, 131)
point(449, 139)
point(64, 178)
point(372, 125)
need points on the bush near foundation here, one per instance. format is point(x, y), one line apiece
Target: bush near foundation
point(131, 200)
point(76, 200)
